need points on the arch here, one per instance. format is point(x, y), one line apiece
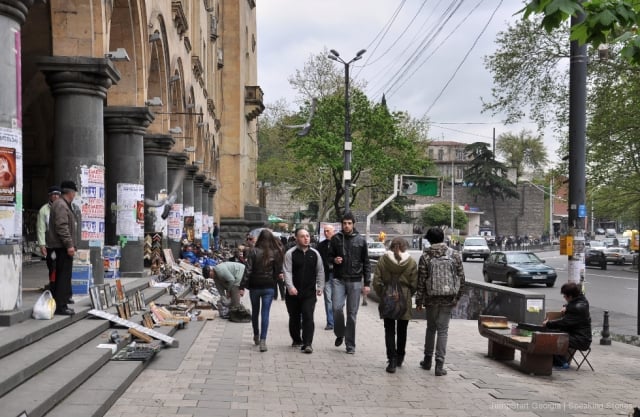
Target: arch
point(157, 73)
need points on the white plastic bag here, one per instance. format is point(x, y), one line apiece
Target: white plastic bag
point(45, 307)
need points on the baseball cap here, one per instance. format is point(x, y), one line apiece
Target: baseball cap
point(69, 185)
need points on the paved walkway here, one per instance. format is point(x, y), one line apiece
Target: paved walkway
point(224, 374)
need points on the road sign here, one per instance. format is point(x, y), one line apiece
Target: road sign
point(423, 186)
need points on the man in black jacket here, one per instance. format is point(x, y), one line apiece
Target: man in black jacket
point(304, 278)
point(350, 258)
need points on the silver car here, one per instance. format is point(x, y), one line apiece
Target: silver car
point(475, 247)
point(376, 250)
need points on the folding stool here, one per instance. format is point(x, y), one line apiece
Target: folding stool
point(578, 361)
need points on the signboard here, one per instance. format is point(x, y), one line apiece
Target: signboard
point(422, 186)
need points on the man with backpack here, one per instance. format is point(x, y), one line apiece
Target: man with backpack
point(440, 282)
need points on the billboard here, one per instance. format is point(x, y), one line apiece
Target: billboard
point(422, 186)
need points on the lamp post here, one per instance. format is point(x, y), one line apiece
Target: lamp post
point(346, 173)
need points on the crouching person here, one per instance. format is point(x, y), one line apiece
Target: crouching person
point(228, 276)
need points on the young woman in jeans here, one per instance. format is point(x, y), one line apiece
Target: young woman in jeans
point(264, 268)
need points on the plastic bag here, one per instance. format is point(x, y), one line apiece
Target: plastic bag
point(45, 307)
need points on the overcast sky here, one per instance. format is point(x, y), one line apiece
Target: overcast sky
point(413, 50)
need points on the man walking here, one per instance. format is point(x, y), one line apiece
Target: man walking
point(323, 248)
point(216, 236)
point(61, 237)
point(440, 282)
point(42, 226)
point(304, 278)
point(350, 258)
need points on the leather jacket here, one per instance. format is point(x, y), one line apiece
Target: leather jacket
point(355, 264)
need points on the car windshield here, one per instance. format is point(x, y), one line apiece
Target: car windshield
point(376, 245)
point(522, 258)
point(475, 242)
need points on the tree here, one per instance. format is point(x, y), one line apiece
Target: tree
point(439, 215)
point(522, 150)
point(487, 177)
point(395, 211)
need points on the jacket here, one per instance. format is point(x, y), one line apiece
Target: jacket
point(229, 272)
point(43, 224)
point(576, 321)
point(405, 271)
point(355, 264)
point(323, 249)
point(62, 226)
point(303, 271)
point(424, 299)
point(256, 275)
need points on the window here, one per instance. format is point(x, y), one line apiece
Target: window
point(430, 153)
point(440, 154)
point(460, 154)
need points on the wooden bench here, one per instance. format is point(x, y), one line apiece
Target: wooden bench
point(536, 351)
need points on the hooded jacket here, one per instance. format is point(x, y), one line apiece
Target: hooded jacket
point(355, 264)
point(576, 321)
point(405, 271)
point(435, 251)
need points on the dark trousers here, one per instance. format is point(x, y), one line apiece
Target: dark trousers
point(51, 267)
point(395, 348)
point(64, 268)
point(281, 288)
point(300, 311)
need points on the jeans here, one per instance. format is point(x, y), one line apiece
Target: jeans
point(328, 302)
point(349, 292)
point(300, 311)
point(438, 317)
point(395, 349)
point(266, 296)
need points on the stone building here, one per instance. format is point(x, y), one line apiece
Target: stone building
point(131, 99)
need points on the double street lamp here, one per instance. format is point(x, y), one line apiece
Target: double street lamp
point(346, 174)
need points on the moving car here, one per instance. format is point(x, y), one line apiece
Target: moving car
point(518, 268)
point(475, 247)
point(597, 244)
point(376, 250)
point(618, 256)
point(595, 257)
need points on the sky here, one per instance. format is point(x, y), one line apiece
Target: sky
point(427, 56)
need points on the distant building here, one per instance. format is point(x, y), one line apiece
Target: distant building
point(450, 158)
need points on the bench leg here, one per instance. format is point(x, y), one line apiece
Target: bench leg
point(536, 364)
point(500, 352)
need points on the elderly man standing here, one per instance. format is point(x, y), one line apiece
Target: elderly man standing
point(42, 226)
point(61, 237)
point(323, 248)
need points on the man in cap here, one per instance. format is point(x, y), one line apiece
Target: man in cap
point(61, 237)
point(42, 226)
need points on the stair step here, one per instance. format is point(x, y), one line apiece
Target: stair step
point(24, 363)
point(48, 387)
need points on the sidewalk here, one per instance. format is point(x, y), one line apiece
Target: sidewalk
point(224, 374)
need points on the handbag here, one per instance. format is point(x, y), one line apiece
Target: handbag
point(393, 304)
point(45, 307)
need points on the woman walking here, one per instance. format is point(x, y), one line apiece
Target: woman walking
point(396, 268)
point(264, 269)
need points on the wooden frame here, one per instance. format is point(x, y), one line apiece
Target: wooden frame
point(94, 293)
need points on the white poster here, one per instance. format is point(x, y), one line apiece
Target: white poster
point(205, 223)
point(174, 223)
point(197, 223)
point(130, 214)
point(11, 183)
point(91, 202)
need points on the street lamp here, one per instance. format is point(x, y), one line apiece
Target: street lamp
point(346, 173)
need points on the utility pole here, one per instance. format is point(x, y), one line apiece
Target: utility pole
point(577, 153)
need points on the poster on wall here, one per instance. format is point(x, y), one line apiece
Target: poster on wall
point(174, 223)
point(198, 223)
point(130, 218)
point(10, 183)
point(91, 202)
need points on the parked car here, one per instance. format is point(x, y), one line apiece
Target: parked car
point(376, 250)
point(600, 231)
point(596, 257)
point(610, 233)
point(518, 268)
point(475, 247)
point(597, 244)
point(611, 242)
point(618, 256)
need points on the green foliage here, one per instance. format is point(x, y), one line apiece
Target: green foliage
point(395, 212)
point(522, 150)
point(439, 214)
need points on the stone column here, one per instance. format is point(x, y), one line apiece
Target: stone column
point(187, 198)
point(13, 14)
point(79, 86)
point(212, 193)
point(206, 220)
point(124, 158)
point(175, 222)
point(198, 180)
point(156, 151)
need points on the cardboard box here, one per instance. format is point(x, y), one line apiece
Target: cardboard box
point(80, 286)
point(81, 272)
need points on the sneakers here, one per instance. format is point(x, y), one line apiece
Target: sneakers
point(307, 349)
point(296, 344)
point(339, 341)
point(562, 367)
point(256, 339)
point(263, 346)
point(351, 350)
point(328, 327)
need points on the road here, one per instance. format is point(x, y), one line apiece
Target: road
point(614, 290)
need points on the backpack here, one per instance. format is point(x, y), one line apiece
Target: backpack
point(443, 279)
point(393, 304)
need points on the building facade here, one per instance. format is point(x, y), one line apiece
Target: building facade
point(150, 106)
point(450, 158)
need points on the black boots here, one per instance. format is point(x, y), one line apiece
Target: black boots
point(440, 371)
point(399, 360)
point(426, 363)
point(391, 368)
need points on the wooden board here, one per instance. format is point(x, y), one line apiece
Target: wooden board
point(131, 325)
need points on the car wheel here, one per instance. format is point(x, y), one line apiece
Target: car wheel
point(511, 281)
point(603, 266)
point(550, 284)
point(487, 278)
